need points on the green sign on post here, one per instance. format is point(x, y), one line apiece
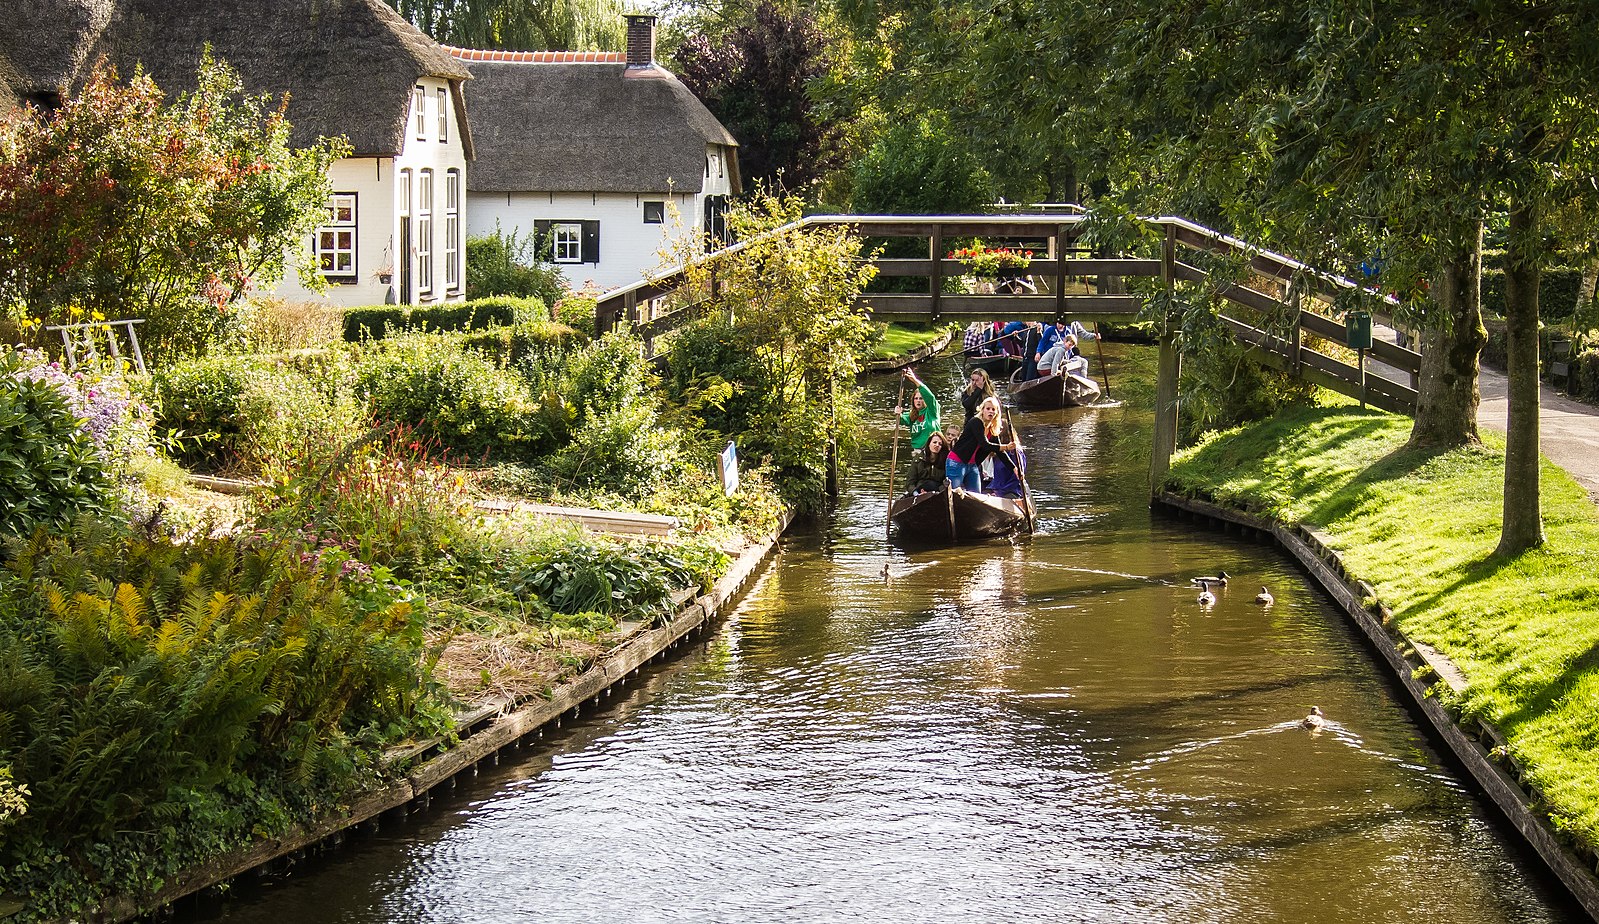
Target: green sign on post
point(1357, 330)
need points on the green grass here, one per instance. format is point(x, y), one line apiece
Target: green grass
point(897, 340)
point(1422, 528)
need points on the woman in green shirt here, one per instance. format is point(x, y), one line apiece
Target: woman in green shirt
point(922, 418)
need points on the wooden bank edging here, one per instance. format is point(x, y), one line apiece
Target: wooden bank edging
point(930, 348)
point(1479, 747)
point(483, 736)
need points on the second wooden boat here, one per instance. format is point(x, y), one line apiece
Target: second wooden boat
point(1064, 390)
point(954, 516)
point(997, 365)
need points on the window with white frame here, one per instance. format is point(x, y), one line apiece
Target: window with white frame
point(452, 230)
point(419, 104)
point(444, 116)
point(336, 238)
point(424, 232)
point(567, 242)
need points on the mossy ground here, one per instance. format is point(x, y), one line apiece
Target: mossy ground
point(1422, 527)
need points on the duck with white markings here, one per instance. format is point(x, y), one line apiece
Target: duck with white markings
point(1219, 579)
point(1206, 598)
point(1316, 721)
point(1264, 598)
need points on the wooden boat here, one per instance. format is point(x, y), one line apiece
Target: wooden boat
point(999, 364)
point(1064, 390)
point(955, 516)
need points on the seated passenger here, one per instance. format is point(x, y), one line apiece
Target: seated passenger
point(1007, 478)
point(927, 466)
point(1063, 356)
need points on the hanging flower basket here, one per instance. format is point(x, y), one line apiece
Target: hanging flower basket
point(998, 262)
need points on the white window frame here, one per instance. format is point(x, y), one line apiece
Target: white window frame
point(419, 101)
point(566, 242)
point(327, 242)
point(424, 233)
point(444, 115)
point(452, 230)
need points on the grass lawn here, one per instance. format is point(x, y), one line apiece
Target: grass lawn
point(1422, 528)
point(897, 340)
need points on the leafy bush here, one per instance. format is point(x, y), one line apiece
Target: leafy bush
point(504, 264)
point(156, 692)
point(619, 450)
point(456, 397)
point(380, 321)
point(588, 574)
point(266, 324)
point(50, 468)
point(1557, 291)
point(576, 310)
point(512, 346)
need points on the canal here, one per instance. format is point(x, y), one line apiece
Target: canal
point(1050, 729)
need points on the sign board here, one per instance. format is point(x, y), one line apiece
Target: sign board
point(729, 469)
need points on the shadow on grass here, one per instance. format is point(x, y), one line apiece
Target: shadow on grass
point(1400, 463)
point(1541, 700)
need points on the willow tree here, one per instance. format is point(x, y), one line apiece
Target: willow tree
point(547, 25)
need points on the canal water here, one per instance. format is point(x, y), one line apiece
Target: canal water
point(1050, 729)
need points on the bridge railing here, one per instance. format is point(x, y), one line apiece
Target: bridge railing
point(1281, 327)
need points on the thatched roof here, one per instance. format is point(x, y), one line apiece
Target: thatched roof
point(347, 65)
point(588, 128)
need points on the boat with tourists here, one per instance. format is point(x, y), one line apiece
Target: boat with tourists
point(954, 516)
point(1064, 389)
point(995, 364)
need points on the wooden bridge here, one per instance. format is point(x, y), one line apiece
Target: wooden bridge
point(1281, 310)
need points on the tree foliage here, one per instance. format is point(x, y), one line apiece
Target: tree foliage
point(916, 168)
point(119, 204)
point(520, 25)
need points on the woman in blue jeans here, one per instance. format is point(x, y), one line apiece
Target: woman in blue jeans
point(981, 436)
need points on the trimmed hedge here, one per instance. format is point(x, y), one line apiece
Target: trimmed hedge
point(1557, 292)
point(379, 321)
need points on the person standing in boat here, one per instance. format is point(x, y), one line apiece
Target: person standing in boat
point(981, 436)
point(922, 418)
point(1030, 350)
point(979, 387)
point(1009, 466)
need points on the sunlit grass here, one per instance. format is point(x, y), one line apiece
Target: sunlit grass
point(898, 340)
point(1422, 528)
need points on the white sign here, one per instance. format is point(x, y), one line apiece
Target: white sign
point(729, 469)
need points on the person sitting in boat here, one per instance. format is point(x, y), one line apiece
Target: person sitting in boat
point(979, 387)
point(980, 436)
point(927, 466)
point(1063, 356)
point(1030, 350)
point(1010, 466)
point(922, 418)
point(1010, 338)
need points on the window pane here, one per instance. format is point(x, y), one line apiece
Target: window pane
point(345, 212)
point(326, 242)
point(327, 262)
point(344, 263)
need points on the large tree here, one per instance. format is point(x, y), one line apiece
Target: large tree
point(520, 25)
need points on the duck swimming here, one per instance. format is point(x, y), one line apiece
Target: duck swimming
point(1220, 580)
point(1264, 598)
point(1206, 598)
point(1316, 721)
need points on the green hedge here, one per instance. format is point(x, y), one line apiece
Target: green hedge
point(509, 346)
point(379, 321)
point(1557, 292)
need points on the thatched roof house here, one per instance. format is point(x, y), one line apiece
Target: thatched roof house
point(348, 65)
point(586, 127)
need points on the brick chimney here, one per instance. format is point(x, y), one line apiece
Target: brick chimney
point(640, 40)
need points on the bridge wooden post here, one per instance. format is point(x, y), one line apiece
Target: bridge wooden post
point(1168, 368)
point(1058, 246)
point(935, 247)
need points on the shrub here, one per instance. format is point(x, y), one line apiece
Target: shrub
point(457, 397)
point(504, 264)
point(380, 321)
point(618, 450)
point(576, 310)
point(50, 469)
point(1557, 291)
point(265, 324)
point(513, 346)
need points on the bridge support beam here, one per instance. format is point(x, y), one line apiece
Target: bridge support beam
point(1169, 366)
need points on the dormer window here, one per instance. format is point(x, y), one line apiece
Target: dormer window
point(46, 101)
point(419, 104)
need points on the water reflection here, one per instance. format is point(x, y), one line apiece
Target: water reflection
point(1046, 729)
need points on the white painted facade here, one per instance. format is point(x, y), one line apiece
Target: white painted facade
point(629, 245)
point(385, 240)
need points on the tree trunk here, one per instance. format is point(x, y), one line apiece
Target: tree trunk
point(1523, 524)
point(1585, 292)
point(1451, 339)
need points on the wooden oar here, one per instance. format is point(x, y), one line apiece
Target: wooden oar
point(1103, 372)
point(1021, 472)
point(893, 465)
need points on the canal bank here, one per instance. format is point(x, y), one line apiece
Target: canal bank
point(1045, 729)
point(483, 733)
point(1497, 655)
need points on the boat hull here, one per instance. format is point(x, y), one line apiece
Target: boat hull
point(1065, 390)
point(999, 364)
point(953, 516)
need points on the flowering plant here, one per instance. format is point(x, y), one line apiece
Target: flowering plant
point(984, 261)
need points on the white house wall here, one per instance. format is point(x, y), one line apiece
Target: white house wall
point(376, 183)
point(628, 246)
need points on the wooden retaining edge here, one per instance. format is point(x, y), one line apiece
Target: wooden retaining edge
point(1482, 750)
point(930, 348)
point(509, 729)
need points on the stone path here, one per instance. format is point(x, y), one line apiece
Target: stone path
point(1568, 432)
